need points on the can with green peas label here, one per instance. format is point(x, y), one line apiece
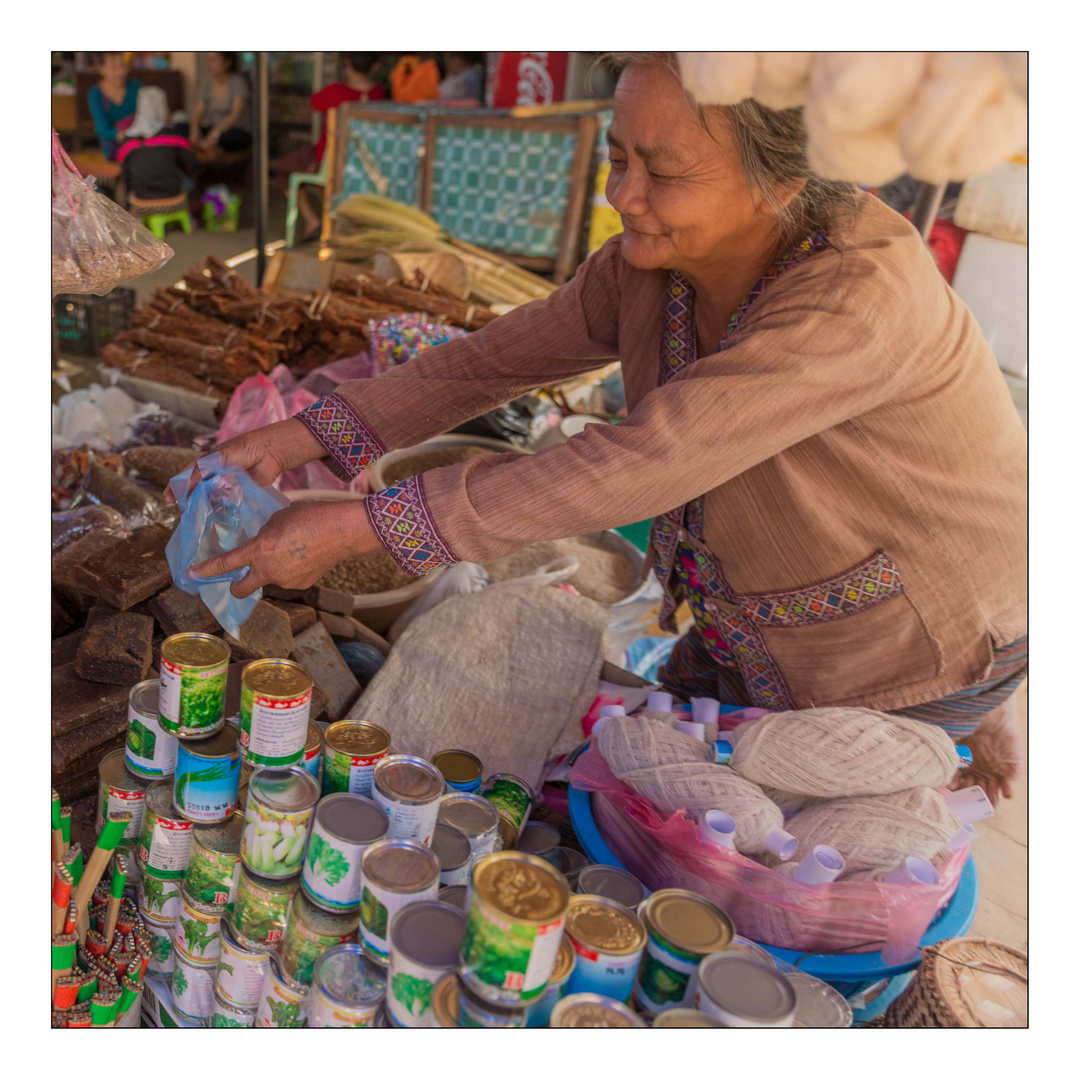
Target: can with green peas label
point(194, 668)
point(281, 802)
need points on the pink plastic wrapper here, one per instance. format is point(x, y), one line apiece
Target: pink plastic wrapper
point(851, 917)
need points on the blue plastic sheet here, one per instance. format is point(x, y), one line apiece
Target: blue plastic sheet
point(226, 508)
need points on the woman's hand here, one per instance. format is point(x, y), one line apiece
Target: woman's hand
point(297, 546)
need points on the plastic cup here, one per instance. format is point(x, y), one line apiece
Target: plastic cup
point(914, 871)
point(963, 838)
point(718, 828)
point(659, 701)
point(706, 710)
point(969, 804)
point(689, 727)
point(782, 844)
point(822, 865)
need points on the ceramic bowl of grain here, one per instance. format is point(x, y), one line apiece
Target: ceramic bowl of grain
point(436, 453)
point(380, 589)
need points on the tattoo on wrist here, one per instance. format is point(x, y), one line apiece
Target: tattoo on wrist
point(298, 550)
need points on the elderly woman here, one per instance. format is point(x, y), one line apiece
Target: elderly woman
point(834, 463)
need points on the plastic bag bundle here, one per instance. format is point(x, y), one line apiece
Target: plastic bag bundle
point(71, 525)
point(835, 752)
point(226, 508)
point(95, 244)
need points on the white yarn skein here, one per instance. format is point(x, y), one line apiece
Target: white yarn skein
point(865, 157)
point(836, 752)
point(636, 742)
point(783, 79)
point(718, 78)
point(876, 831)
point(865, 91)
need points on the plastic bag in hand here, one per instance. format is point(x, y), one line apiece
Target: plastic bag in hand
point(226, 508)
point(95, 243)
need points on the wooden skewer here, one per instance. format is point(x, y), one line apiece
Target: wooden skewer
point(120, 872)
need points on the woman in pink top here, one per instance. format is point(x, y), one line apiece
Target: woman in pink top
point(831, 456)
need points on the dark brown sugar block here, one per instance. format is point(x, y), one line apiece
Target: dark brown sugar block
point(320, 706)
point(81, 748)
point(300, 615)
point(331, 600)
point(62, 621)
point(64, 564)
point(130, 571)
point(116, 648)
point(315, 649)
point(77, 702)
point(64, 648)
point(293, 596)
point(71, 788)
point(179, 612)
point(266, 633)
point(232, 690)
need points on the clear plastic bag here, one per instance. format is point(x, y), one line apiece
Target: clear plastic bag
point(71, 525)
point(95, 243)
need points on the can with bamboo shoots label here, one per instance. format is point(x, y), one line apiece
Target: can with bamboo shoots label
point(206, 784)
point(165, 839)
point(194, 668)
point(159, 932)
point(260, 909)
point(425, 942)
point(352, 750)
point(157, 895)
point(476, 818)
point(228, 1015)
point(280, 1005)
point(198, 928)
point(347, 990)
point(120, 793)
point(460, 769)
point(309, 932)
point(150, 751)
point(192, 986)
point(609, 940)
point(343, 828)
point(275, 707)
point(395, 873)
point(514, 800)
point(313, 751)
point(240, 971)
point(215, 851)
point(451, 847)
point(513, 927)
point(409, 789)
point(281, 803)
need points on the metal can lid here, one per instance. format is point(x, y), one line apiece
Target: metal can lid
point(473, 815)
point(593, 1011)
point(564, 963)
point(276, 678)
point(347, 977)
point(604, 925)
point(481, 1005)
point(145, 698)
point(458, 766)
point(451, 846)
point(158, 800)
point(685, 1018)
point(314, 737)
point(520, 886)
point(746, 988)
point(444, 1001)
point(399, 866)
point(323, 922)
point(112, 772)
point(687, 921)
point(289, 789)
point(746, 947)
point(538, 838)
point(612, 882)
point(357, 738)
point(193, 650)
point(817, 1004)
point(408, 778)
point(223, 838)
point(428, 933)
point(494, 778)
point(455, 895)
point(222, 744)
point(353, 819)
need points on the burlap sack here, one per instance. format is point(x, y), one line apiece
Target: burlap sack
point(506, 673)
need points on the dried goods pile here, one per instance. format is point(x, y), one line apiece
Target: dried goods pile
point(602, 575)
point(427, 460)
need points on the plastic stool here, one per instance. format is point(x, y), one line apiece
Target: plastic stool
point(295, 180)
point(157, 223)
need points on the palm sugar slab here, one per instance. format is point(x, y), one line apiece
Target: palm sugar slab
point(116, 648)
point(130, 571)
point(603, 575)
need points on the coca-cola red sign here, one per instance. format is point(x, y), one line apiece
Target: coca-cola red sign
point(526, 78)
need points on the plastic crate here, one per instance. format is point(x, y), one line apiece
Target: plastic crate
point(87, 323)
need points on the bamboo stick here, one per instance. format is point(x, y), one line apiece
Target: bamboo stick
point(110, 836)
point(119, 878)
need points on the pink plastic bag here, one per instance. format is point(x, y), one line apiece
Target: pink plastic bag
point(326, 379)
point(765, 906)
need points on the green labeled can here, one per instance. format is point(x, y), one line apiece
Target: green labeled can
point(121, 793)
point(260, 909)
point(275, 704)
point(309, 932)
point(344, 827)
point(149, 752)
point(194, 668)
point(240, 971)
point(159, 932)
point(280, 806)
point(158, 896)
point(165, 839)
point(346, 990)
point(228, 1015)
point(280, 1005)
point(352, 750)
point(514, 800)
point(215, 851)
point(513, 927)
point(394, 873)
point(198, 928)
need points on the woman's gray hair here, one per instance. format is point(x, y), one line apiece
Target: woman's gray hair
point(772, 146)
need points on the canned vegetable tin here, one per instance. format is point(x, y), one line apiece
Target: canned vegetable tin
point(597, 879)
point(513, 926)
point(451, 847)
point(280, 806)
point(476, 818)
point(455, 895)
point(159, 931)
point(192, 986)
point(351, 752)
point(682, 928)
point(194, 668)
point(593, 1011)
point(817, 1004)
point(228, 1015)
point(408, 789)
point(346, 990)
point(740, 992)
point(309, 932)
point(514, 800)
point(241, 971)
point(275, 707)
point(476, 1012)
point(313, 751)
point(280, 1005)
point(609, 940)
point(425, 942)
point(688, 1018)
point(260, 909)
point(120, 793)
point(206, 785)
point(198, 928)
point(395, 873)
point(158, 896)
point(215, 851)
point(445, 1002)
point(344, 826)
point(150, 751)
point(165, 839)
point(540, 840)
point(460, 769)
point(540, 1009)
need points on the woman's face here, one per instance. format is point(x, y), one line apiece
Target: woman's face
point(682, 196)
point(215, 64)
point(113, 68)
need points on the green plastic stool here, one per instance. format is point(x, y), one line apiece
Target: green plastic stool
point(295, 180)
point(157, 223)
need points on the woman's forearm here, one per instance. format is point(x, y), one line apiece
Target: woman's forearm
point(196, 121)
